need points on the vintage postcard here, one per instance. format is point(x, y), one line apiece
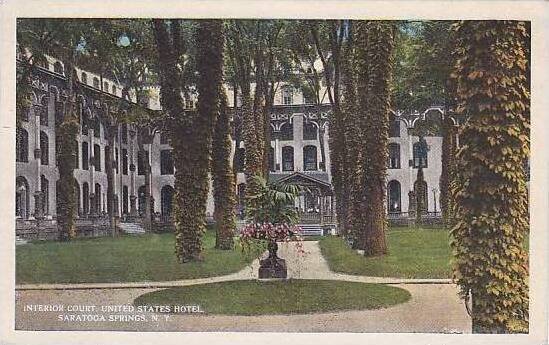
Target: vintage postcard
point(211, 171)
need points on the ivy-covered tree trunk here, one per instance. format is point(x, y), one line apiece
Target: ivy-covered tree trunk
point(146, 137)
point(420, 193)
point(448, 159)
point(350, 140)
point(374, 72)
point(66, 185)
point(491, 203)
point(191, 134)
point(109, 169)
point(253, 162)
point(223, 178)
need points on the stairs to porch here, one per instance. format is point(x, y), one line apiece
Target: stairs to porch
point(311, 229)
point(132, 228)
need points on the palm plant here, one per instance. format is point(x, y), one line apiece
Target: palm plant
point(273, 202)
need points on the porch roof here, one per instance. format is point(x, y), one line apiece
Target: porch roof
point(320, 179)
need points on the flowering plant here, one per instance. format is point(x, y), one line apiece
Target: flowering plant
point(264, 233)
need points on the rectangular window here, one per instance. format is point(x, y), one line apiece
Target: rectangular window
point(43, 111)
point(116, 159)
point(394, 129)
point(124, 162)
point(76, 157)
point(85, 156)
point(287, 96)
point(97, 157)
point(142, 161)
point(166, 162)
point(124, 134)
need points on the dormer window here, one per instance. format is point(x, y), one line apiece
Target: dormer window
point(58, 68)
point(287, 96)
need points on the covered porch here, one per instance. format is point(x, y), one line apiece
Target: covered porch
point(316, 202)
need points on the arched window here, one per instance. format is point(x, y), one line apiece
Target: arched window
point(393, 197)
point(309, 158)
point(97, 198)
point(394, 127)
point(394, 156)
point(106, 87)
point(96, 82)
point(166, 196)
point(271, 159)
point(84, 78)
point(125, 199)
point(166, 162)
point(287, 131)
point(85, 198)
point(287, 158)
point(421, 193)
point(58, 68)
point(21, 197)
point(309, 131)
point(114, 90)
point(97, 157)
point(44, 148)
point(287, 95)
point(239, 158)
point(85, 156)
point(21, 145)
point(420, 154)
point(45, 189)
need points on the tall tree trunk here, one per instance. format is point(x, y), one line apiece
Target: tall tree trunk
point(191, 134)
point(490, 188)
point(109, 169)
point(67, 132)
point(223, 178)
point(446, 174)
point(420, 194)
point(374, 67)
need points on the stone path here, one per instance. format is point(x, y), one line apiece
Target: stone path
point(434, 306)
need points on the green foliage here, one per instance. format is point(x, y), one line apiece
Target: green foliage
point(423, 63)
point(413, 253)
point(490, 192)
point(105, 260)
point(252, 297)
point(273, 202)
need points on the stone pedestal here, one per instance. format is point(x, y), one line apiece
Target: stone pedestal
point(273, 266)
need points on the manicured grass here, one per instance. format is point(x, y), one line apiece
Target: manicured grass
point(252, 297)
point(413, 253)
point(149, 257)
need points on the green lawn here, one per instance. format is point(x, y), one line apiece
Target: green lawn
point(128, 258)
point(413, 253)
point(252, 297)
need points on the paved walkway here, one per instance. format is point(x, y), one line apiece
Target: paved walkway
point(434, 306)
